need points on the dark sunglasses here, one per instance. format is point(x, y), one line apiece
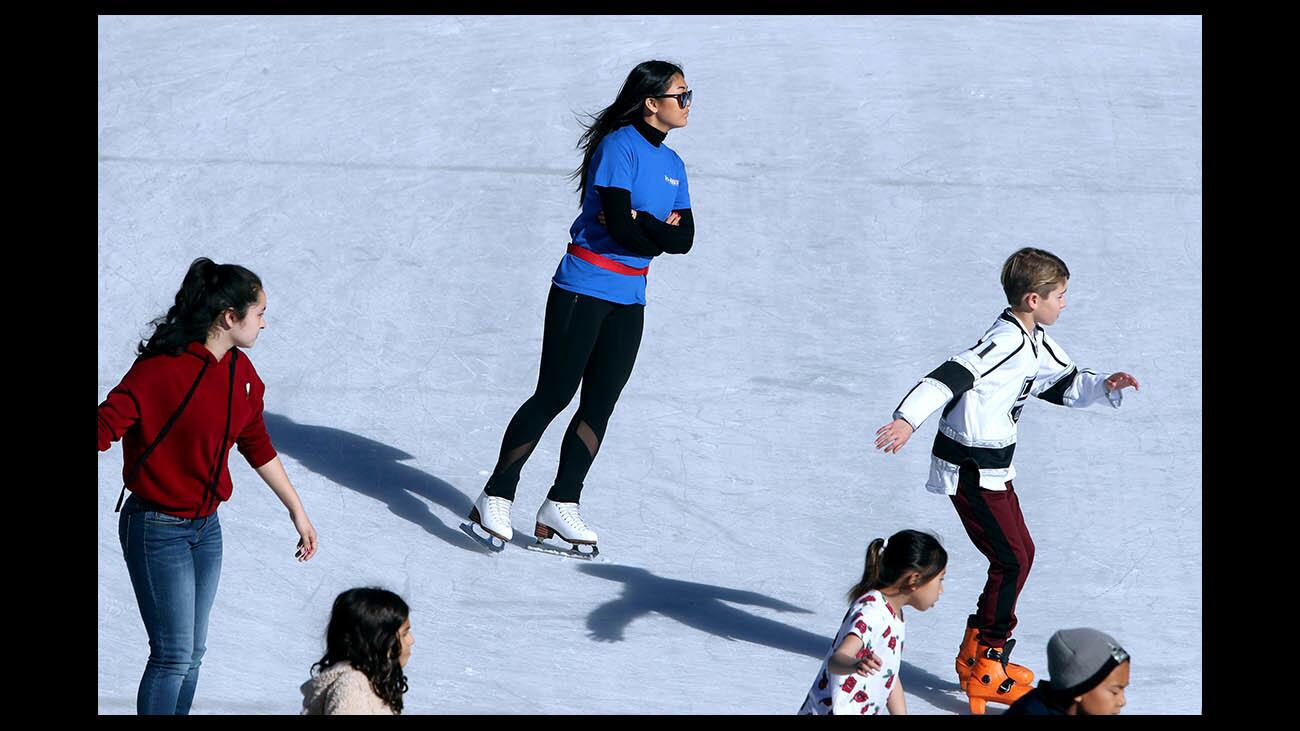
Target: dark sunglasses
point(683, 99)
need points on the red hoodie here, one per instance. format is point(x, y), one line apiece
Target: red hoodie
point(177, 473)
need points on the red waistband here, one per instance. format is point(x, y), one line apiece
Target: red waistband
point(603, 262)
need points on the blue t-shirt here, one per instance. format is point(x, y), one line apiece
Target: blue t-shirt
point(656, 177)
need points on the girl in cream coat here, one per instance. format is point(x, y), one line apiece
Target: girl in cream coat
point(366, 647)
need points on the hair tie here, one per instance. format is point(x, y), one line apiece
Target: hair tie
point(884, 545)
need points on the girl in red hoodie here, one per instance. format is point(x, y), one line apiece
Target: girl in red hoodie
point(189, 397)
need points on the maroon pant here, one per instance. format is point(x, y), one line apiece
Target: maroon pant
point(993, 521)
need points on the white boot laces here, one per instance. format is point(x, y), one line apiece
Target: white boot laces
point(571, 516)
point(499, 508)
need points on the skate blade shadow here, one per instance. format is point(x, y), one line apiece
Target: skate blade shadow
point(707, 608)
point(375, 470)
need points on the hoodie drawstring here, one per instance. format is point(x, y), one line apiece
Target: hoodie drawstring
point(210, 493)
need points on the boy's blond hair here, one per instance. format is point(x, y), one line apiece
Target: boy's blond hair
point(1032, 270)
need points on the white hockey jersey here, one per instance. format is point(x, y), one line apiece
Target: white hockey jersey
point(985, 389)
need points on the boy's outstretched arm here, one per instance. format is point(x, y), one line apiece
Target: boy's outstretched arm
point(949, 381)
point(1061, 382)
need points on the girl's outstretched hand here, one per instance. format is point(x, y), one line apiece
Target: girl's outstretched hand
point(892, 436)
point(1120, 381)
point(674, 219)
point(306, 537)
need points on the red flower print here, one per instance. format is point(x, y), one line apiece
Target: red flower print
point(887, 631)
point(864, 652)
point(861, 626)
point(860, 696)
point(849, 682)
point(869, 598)
point(892, 640)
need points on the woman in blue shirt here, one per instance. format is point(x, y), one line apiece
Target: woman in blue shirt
point(635, 206)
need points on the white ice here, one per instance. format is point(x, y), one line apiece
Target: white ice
point(399, 183)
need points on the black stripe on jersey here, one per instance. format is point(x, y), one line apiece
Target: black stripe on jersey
point(1056, 394)
point(987, 350)
point(986, 458)
point(1004, 360)
point(1053, 354)
point(957, 378)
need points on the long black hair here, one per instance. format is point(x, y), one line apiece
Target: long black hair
point(906, 550)
point(647, 79)
point(363, 633)
point(208, 290)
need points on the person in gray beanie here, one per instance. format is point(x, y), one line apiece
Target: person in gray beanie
point(1089, 671)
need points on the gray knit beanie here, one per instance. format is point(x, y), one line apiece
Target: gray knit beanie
point(1079, 659)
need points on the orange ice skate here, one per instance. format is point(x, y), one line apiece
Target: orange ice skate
point(966, 655)
point(994, 678)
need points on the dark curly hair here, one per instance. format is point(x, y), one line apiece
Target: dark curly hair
point(363, 633)
point(208, 290)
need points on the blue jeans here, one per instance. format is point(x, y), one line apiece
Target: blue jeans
point(174, 565)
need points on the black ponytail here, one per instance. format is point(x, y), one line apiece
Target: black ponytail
point(907, 550)
point(208, 290)
point(646, 80)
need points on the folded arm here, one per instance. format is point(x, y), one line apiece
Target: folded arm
point(617, 205)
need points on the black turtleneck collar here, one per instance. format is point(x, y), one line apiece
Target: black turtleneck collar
point(651, 135)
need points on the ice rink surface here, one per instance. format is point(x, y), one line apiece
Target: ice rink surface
point(399, 184)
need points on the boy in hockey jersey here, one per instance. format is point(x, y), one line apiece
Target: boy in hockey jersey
point(983, 390)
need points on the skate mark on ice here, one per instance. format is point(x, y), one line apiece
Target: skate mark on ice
point(815, 384)
point(374, 470)
point(707, 608)
point(341, 165)
point(1087, 187)
point(1133, 565)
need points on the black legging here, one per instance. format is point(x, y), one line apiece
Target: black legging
point(585, 339)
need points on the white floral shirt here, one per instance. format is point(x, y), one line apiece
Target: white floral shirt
point(881, 631)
